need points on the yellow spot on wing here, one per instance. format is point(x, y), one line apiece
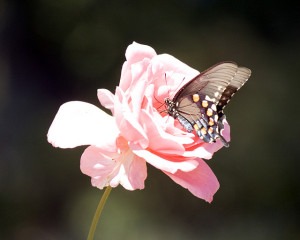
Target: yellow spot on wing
point(196, 97)
point(204, 103)
point(211, 122)
point(209, 112)
point(210, 130)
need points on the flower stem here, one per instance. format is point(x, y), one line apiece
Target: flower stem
point(98, 213)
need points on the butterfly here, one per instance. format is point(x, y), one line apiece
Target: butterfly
point(199, 104)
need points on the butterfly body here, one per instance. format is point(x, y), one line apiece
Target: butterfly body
point(199, 104)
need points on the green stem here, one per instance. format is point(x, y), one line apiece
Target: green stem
point(98, 213)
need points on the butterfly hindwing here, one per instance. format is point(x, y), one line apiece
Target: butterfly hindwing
point(198, 113)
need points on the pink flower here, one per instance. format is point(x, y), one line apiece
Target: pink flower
point(138, 132)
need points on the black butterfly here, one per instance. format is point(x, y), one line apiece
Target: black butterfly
point(199, 104)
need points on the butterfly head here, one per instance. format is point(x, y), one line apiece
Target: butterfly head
point(171, 107)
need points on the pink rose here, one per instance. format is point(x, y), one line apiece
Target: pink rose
point(139, 130)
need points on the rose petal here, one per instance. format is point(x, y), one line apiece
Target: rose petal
point(133, 173)
point(128, 170)
point(159, 140)
point(137, 52)
point(201, 150)
point(169, 165)
point(98, 166)
point(173, 64)
point(106, 99)
point(79, 123)
point(135, 79)
point(137, 172)
point(127, 122)
point(136, 92)
point(201, 182)
point(176, 73)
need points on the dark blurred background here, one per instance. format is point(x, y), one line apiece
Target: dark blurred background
point(56, 51)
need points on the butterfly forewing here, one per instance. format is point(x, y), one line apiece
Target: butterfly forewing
point(211, 82)
point(199, 104)
point(236, 83)
point(189, 109)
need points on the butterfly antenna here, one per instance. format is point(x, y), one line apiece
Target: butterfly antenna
point(161, 103)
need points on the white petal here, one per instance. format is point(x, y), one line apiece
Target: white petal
point(79, 123)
